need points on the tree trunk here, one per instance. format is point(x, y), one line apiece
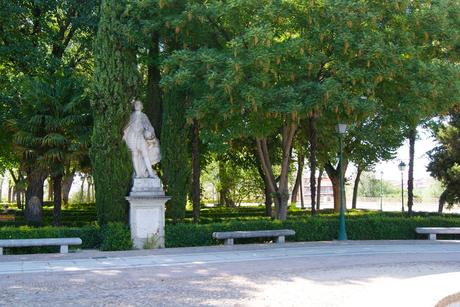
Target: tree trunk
point(66, 186)
point(280, 190)
point(312, 139)
point(268, 201)
point(34, 197)
point(298, 181)
point(302, 201)
point(50, 189)
point(196, 171)
point(89, 183)
point(224, 192)
point(410, 180)
point(318, 192)
point(82, 188)
point(2, 179)
point(355, 187)
point(442, 201)
point(57, 191)
point(154, 105)
point(336, 193)
point(267, 192)
point(10, 193)
point(18, 199)
point(334, 176)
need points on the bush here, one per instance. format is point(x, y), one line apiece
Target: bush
point(318, 228)
point(115, 237)
point(89, 235)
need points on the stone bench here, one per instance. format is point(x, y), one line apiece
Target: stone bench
point(62, 242)
point(433, 231)
point(229, 236)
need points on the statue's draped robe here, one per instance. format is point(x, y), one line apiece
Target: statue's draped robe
point(139, 135)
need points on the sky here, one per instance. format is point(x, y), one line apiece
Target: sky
point(423, 144)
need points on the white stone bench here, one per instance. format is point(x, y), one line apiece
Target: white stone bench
point(433, 231)
point(62, 242)
point(229, 236)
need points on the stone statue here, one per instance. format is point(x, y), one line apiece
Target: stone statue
point(140, 137)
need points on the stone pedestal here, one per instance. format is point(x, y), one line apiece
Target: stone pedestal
point(147, 213)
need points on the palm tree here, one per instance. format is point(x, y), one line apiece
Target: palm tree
point(51, 128)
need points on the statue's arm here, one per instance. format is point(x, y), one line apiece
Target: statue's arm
point(147, 125)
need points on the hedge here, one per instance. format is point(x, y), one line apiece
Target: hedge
point(318, 228)
point(311, 229)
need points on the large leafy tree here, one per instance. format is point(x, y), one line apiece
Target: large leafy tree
point(40, 39)
point(273, 70)
point(429, 84)
point(51, 126)
point(445, 158)
point(412, 78)
point(374, 140)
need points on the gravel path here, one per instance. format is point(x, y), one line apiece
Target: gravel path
point(385, 273)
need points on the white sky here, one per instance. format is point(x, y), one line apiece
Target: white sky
point(423, 144)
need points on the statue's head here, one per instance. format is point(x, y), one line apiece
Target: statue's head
point(137, 105)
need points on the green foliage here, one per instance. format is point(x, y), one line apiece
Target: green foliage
point(89, 235)
point(44, 60)
point(445, 158)
point(116, 237)
point(378, 65)
point(318, 228)
point(175, 155)
point(235, 179)
point(115, 83)
point(370, 186)
point(51, 121)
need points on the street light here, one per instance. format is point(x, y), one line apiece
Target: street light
point(402, 167)
point(341, 129)
point(381, 191)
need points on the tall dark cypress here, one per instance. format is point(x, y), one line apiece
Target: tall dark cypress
point(115, 82)
point(175, 153)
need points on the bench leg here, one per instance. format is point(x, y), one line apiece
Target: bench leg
point(432, 236)
point(1, 251)
point(228, 241)
point(280, 240)
point(64, 249)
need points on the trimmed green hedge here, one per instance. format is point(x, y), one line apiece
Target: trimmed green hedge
point(116, 237)
point(318, 228)
point(312, 229)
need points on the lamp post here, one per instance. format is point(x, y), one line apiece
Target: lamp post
point(381, 191)
point(341, 130)
point(402, 167)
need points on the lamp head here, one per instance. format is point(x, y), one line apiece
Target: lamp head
point(402, 166)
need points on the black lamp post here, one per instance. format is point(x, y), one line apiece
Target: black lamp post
point(402, 167)
point(341, 130)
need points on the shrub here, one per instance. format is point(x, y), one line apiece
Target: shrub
point(116, 236)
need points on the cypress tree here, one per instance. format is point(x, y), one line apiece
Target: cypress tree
point(175, 154)
point(115, 80)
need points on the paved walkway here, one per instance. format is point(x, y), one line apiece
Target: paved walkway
point(353, 273)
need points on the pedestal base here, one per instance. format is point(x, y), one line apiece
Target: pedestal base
point(147, 213)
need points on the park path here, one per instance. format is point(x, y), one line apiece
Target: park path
point(352, 273)
point(220, 254)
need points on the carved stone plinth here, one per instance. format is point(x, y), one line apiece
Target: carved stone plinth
point(147, 213)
